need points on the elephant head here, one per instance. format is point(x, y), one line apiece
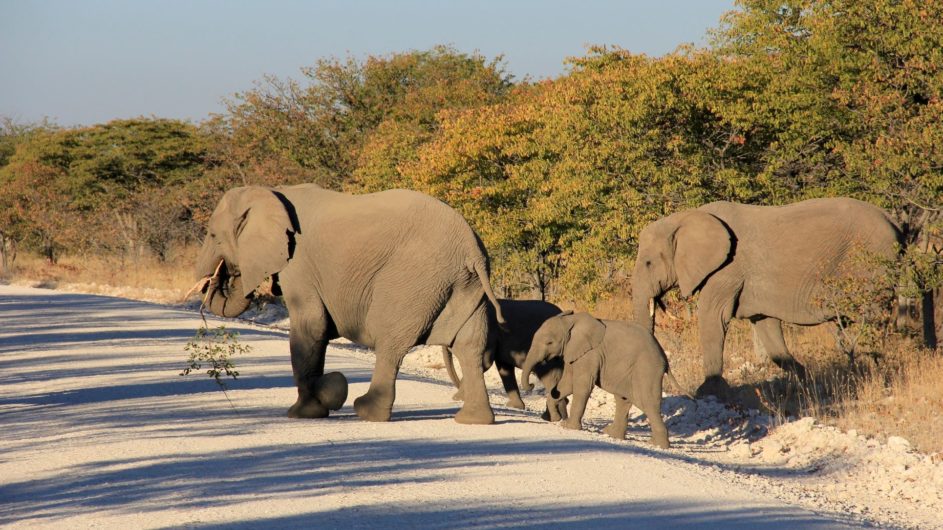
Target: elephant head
point(249, 237)
point(681, 250)
point(568, 335)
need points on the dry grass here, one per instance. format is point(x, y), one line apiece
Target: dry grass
point(142, 277)
point(901, 396)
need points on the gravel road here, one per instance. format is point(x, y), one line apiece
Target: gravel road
point(98, 430)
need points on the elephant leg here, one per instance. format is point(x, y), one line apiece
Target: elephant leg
point(651, 406)
point(317, 393)
point(713, 318)
point(510, 385)
point(458, 395)
point(561, 408)
point(768, 338)
point(557, 397)
point(582, 388)
point(377, 403)
point(550, 380)
point(470, 346)
point(620, 421)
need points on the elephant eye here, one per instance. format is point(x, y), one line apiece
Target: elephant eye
point(648, 263)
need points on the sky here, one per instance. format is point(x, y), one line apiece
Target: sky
point(91, 61)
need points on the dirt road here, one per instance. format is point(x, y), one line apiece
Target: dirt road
point(98, 430)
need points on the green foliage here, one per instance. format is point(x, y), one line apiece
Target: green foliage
point(317, 130)
point(13, 133)
point(112, 187)
point(858, 297)
point(215, 348)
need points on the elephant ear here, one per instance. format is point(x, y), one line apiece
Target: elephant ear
point(702, 244)
point(264, 233)
point(586, 334)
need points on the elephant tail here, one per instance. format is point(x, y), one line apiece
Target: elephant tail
point(479, 268)
point(675, 382)
point(449, 362)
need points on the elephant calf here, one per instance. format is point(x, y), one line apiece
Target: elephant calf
point(620, 357)
point(523, 318)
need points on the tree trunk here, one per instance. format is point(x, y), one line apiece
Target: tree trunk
point(929, 320)
point(4, 263)
point(49, 251)
point(938, 298)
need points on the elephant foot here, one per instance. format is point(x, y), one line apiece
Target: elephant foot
point(789, 364)
point(660, 440)
point(572, 424)
point(331, 390)
point(309, 408)
point(515, 403)
point(561, 408)
point(475, 415)
point(546, 416)
point(714, 385)
point(368, 409)
point(615, 431)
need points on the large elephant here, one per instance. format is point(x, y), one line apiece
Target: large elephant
point(523, 317)
point(389, 270)
point(768, 264)
point(620, 357)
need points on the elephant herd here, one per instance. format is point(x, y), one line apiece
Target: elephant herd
point(395, 269)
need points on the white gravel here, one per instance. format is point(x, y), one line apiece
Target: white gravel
point(99, 431)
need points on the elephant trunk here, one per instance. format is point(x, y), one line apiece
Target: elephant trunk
point(644, 308)
point(225, 296)
point(533, 359)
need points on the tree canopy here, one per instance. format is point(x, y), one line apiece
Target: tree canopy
point(791, 99)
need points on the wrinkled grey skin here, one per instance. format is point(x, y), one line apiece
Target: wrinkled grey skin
point(762, 263)
point(622, 358)
point(523, 318)
point(389, 270)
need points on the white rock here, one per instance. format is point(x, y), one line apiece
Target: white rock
point(804, 424)
point(898, 444)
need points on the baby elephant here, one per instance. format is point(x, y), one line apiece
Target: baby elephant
point(620, 357)
point(523, 318)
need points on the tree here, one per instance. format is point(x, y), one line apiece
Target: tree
point(12, 134)
point(560, 179)
point(81, 189)
point(320, 127)
point(851, 93)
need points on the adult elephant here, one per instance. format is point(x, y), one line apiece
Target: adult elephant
point(768, 264)
point(524, 318)
point(388, 270)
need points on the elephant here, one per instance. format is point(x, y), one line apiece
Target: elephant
point(388, 270)
point(767, 264)
point(523, 317)
point(622, 358)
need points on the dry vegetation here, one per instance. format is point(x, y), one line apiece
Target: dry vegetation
point(144, 278)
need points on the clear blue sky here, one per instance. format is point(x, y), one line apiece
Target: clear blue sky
point(83, 62)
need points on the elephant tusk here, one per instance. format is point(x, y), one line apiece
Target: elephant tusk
point(198, 286)
point(202, 282)
point(664, 309)
point(651, 308)
point(206, 296)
